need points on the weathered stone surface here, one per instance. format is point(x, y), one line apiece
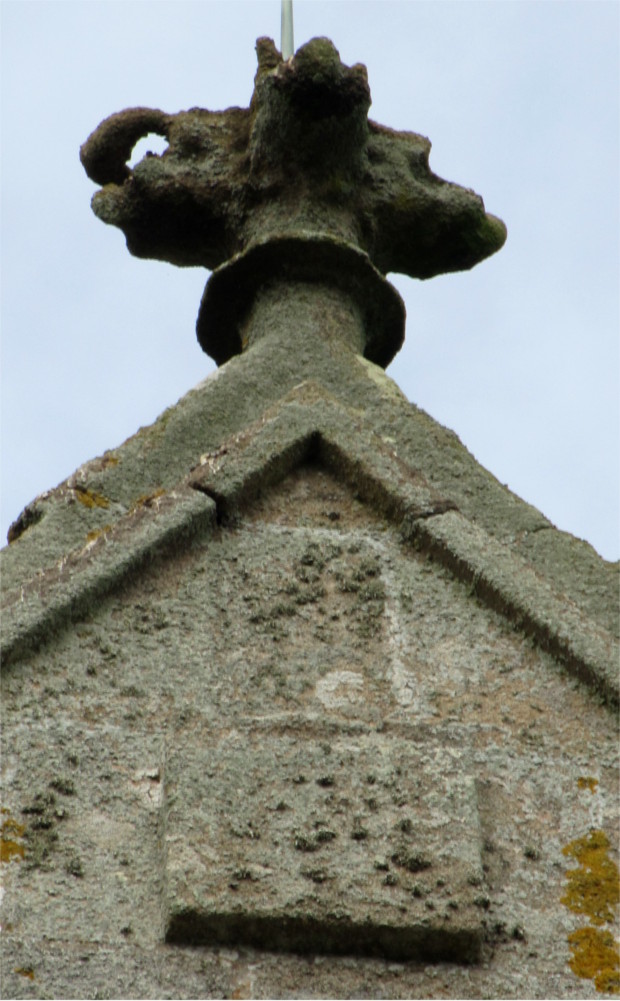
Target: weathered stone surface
point(508, 585)
point(272, 617)
point(298, 186)
point(302, 158)
point(42, 608)
point(239, 394)
point(288, 283)
point(325, 840)
point(87, 798)
point(287, 669)
point(310, 426)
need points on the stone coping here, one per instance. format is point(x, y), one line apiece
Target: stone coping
point(309, 425)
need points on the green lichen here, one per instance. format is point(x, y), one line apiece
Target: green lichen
point(316, 875)
point(74, 867)
point(359, 832)
point(303, 842)
point(413, 861)
point(63, 785)
point(40, 834)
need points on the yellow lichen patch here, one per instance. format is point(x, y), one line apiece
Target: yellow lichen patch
point(89, 498)
point(587, 782)
point(97, 533)
point(595, 957)
point(608, 982)
point(593, 887)
point(25, 971)
point(146, 500)
point(11, 834)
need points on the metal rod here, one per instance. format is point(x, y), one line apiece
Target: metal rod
point(287, 29)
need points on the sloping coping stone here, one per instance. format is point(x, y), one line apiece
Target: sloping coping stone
point(319, 838)
point(65, 593)
point(308, 424)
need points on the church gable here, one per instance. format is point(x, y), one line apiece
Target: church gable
point(297, 731)
point(292, 705)
point(310, 425)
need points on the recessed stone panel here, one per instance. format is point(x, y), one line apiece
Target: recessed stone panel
point(344, 842)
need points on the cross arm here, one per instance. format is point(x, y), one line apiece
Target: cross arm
point(302, 161)
point(417, 223)
point(178, 206)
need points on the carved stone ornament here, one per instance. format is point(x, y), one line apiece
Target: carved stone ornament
point(301, 185)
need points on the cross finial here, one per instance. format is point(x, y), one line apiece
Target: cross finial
point(302, 168)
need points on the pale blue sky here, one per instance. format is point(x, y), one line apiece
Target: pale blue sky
point(519, 356)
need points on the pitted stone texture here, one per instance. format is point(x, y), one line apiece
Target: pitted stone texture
point(346, 842)
point(87, 799)
point(179, 650)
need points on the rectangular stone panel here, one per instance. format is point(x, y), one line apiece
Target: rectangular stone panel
point(364, 843)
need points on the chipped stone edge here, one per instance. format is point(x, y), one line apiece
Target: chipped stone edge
point(308, 424)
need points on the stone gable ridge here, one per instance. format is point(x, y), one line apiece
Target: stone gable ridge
point(308, 425)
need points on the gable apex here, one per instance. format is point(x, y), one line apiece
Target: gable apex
point(310, 425)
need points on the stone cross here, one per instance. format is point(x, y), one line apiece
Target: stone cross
point(300, 184)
